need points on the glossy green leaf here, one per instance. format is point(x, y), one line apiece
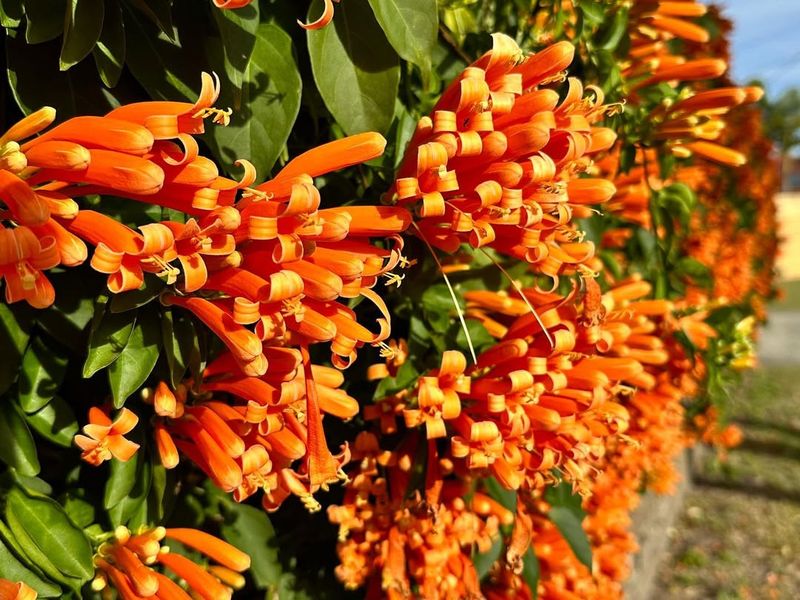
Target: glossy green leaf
point(137, 360)
point(11, 12)
point(355, 68)
point(238, 29)
point(569, 525)
point(459, 20)
point(33, 485)
point(178, 338)
point(483, 561)
point(405, 377)
point(66, 320)
point(507, 498)
point(531, 572)
point(78, 510)
point(563, 496)
point(250, 530)
point(148, 292)
point(43, 370)
point(109, 52)
point(161, 66)
point(121, 479)
point(438, 308)
point(266, 103)
point(411, 26)
point(70, 92)
point(55, 422)
point(15, 327)
point(159, 12)
point(109, 336)
point(49, 527)
point(11, 569)
point(17, 448)
point(82, 27)
point(594, 12)
point(131, 504)
point(161, 496)
point(45, 20)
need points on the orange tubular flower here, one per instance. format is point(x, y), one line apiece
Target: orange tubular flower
point(124, 254)
point(23, 257)
point(231, 4)
point(243, 344)
point(325, 18)
point(129, 560)
point(167, 120)
point(212, 236)
point(16, 591)
point(214, 548)
point(105, 439)
point(493, 165)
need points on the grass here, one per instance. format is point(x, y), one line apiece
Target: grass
point(737, 538)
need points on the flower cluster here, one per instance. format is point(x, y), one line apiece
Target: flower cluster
point(633, 242)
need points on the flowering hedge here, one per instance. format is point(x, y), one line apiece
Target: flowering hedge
point(373, 304)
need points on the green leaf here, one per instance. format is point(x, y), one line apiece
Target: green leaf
point(157, 11)
point(507, 498)
point(249, 529)
point(437, 307)
point(406, 376)
point(692, 267)
point(460, 21)
point(11, 569)
point(161, 66)
point(43, 370)
point(122, 512)
point(478, 333)
point(33, 485)
point(594, 12)
point(55, 422)
point(137, 360)
point(70, 92)
point(161, 495)
point(563, 496)
point(614, 33)
point(412, 27)
point(178, 338)
point(109, 52)
point(531, 571)
point(121, 480)
point(11, 12)
point(49, 527)
point(79, 510)
point(238, 30)
point(570, 527)
point(82, 27)
point(266, 102)
point(148, 292)
point(355, 68)
point(14, 335)
point(45, 20)
point(109, 337)
point(17, 448)
point(483, 561)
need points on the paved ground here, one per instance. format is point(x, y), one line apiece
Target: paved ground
point(780, 339)
point(739, 535)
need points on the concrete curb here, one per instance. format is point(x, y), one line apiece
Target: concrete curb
point(652, 520)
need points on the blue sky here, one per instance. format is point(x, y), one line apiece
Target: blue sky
point(766, 41)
